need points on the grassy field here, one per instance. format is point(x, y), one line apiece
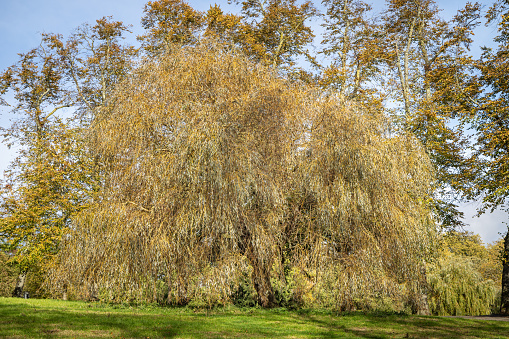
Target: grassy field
point(33, 318)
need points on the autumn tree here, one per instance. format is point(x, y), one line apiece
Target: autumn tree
point(36, 202)
point(275, 33)
point(206, 182)
point(351, 161)
point(491, 122)
point(279, 28)
point(93, 60)
point(354, 47)
point(168, 22)
point(54, 174)
point(465, 277)
point(486, 258)
point(193, 182)
point(491, 119)
point(431, 63)
point(225, 27)
point(46, 185)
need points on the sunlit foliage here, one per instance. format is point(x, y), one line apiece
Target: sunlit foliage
point(8, 276)
point(491, 121)
point(54, 174)
point(457, 288)
point(208, 167)
point(429, 64)
point(465, 280)
point(224, 168)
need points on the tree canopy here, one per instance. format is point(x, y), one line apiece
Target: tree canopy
point(222, 163)
point(210, 164)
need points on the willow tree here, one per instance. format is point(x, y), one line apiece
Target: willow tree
point(222, 168)
point(360, 203)
point(194, 179)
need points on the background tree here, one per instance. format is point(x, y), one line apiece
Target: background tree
point(274, 33)
point(492, 123)
point(48, 184)
point(93, 60)
point(355, 48)
point(54, 175)
point(486, 258)
point(36, 201)
point(168, 22)
point(429, 55)
point(491, 120)
point(465, 278)
point(224, 27)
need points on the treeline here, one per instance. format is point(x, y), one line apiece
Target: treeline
point(207, 166)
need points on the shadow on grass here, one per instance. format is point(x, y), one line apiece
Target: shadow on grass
point(405, 326)
point(20, 319)
point(43, 319)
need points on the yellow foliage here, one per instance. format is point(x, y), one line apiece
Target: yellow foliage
point(222, 162)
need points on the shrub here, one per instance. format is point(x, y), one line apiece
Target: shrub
point(457, 288)
point(8, 276)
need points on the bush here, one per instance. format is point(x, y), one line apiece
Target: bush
point(244, 294)
point(8, 276)
point(457, 288)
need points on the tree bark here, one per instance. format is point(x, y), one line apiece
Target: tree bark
point(260, 276)
point(261, 283)
point(504, 306)
point(20, 284)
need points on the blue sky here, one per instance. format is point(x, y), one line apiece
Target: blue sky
point(22, 22)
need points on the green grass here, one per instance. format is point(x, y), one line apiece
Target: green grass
point(33, 318)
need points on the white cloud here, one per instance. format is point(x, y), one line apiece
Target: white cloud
point(490, 226)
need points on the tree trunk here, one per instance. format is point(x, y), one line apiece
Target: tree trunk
point(20, 284)
point(261, 283)
point(504, 306)
point(261, 272)
point(64, 293)
point(423, 306)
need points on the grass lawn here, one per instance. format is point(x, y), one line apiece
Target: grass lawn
point(33, 318)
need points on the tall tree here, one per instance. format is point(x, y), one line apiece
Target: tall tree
point(42, 190)
point(93, 60)
point(491, 120)
point(55, 173)
point(492, 124)
point(193, 180)
point(169, 22)
point(355, 48)
point(429, 56)
point(273, 32)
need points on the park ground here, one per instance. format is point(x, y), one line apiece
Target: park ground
point(38, 318)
